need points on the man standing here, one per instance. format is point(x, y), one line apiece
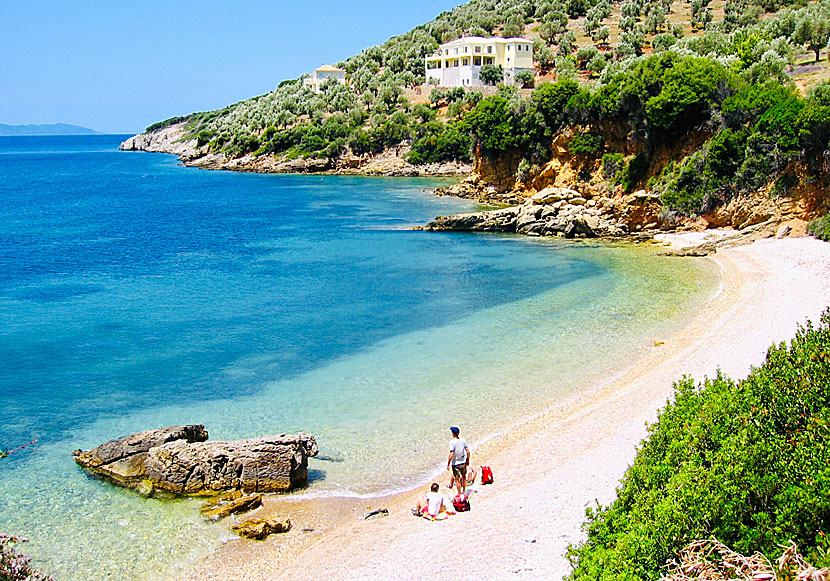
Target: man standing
point(459, 459)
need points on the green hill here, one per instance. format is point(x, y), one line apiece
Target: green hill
point(742, 80)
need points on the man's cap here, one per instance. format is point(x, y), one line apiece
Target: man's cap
point(454, 430)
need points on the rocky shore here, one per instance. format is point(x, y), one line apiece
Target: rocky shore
point(174, 139)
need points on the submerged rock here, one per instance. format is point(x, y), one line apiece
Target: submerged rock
point(259, 528)
point(177, 460)
point(229, 504)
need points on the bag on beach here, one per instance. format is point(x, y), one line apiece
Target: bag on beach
point(461, 503)
point(486, 475)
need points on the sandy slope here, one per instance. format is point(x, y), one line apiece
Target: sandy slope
point(552, 467)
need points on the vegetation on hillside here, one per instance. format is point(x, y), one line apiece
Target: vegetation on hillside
point(746, 462)
point(658, 69)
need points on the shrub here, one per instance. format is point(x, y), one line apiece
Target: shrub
point(686, 188)
point(441, 143)
point(586, 144)
point(612, 166)
point(746, 462)
point(15, 566)
point(820, 228)
point(635, 171)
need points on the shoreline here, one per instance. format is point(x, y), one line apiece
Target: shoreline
point(553, 465)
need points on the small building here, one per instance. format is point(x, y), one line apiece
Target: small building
point(322, 74)
point(457, 63)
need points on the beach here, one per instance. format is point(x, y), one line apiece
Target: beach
point(553, 466)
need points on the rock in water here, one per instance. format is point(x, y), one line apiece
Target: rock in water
point(266, 464)
point(121, 461)
point(259, 528)
point(230, 504)
point(178, 460)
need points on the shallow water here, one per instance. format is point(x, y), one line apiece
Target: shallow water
point(135, 293)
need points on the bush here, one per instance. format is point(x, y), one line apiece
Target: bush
point(820, 228)
point(441, 143)
point(13, 565)
point(612, 166)
point(746, 462)
point(586, 144)
point(635, 171)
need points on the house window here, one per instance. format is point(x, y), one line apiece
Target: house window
point(478, 49)
point(519, 47)
point(508, 47)
point(446, 51)
point(527, 47)
point(465, 49)
point(477, 61)
point(489, 50)
point(508, 59)
point(488, 60)
point(456, 50)
point(465, 61)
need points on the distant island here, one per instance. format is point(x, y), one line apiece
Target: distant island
point(49, 129)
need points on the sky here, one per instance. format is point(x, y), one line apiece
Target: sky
point(117, 67)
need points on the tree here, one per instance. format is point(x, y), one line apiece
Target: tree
point(813, 30)
point(551, 100)
point(526, 78)
point(491, 123)
point(491, 74)
point(601, 35)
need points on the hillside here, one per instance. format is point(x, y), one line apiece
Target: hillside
point(716, 109)
point(52, 129)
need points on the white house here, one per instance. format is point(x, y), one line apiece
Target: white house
point(457, 63)
point(323, 73)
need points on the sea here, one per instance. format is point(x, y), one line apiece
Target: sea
point(137, 293)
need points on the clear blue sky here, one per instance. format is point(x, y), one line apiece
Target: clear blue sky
point(118, 66)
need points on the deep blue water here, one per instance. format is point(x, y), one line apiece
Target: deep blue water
point(128, 281)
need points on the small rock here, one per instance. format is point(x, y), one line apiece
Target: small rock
point(378, 512)
point(230, 504)
point(259, 528)
point(145, 488)
point(783, 231)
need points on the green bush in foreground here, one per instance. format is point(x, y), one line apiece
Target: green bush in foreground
point(745, 462)
point(820, 228)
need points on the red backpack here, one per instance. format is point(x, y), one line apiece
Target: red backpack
point(486, 475)
point(461, 503)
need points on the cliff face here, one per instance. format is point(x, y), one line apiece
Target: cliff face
point(175, 139)
point(498, 181)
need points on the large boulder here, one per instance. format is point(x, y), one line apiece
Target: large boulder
point(266, 464)
point(121, 461)
point(178, 460)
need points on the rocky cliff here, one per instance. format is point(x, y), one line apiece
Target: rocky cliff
point(593, 204)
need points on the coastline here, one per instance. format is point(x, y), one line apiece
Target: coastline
point(555, 464)
point(174, 140)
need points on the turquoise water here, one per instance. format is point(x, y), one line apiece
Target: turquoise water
point(136, 293)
